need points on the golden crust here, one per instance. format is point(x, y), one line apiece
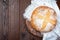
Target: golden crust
point(35, 14)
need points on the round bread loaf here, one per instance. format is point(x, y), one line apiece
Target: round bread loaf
point(43, 19)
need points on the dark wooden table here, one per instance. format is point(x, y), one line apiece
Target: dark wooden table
point(9, 20)
point(12, 23)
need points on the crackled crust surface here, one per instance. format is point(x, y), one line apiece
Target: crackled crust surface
point(43, 19)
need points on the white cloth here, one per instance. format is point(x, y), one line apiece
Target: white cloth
point(55, 33)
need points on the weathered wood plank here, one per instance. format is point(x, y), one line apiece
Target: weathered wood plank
point(5, 19)
point(1, 24)
point(13, 20)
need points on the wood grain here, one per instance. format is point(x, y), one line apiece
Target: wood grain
point(14, 28)
point(1, 24)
